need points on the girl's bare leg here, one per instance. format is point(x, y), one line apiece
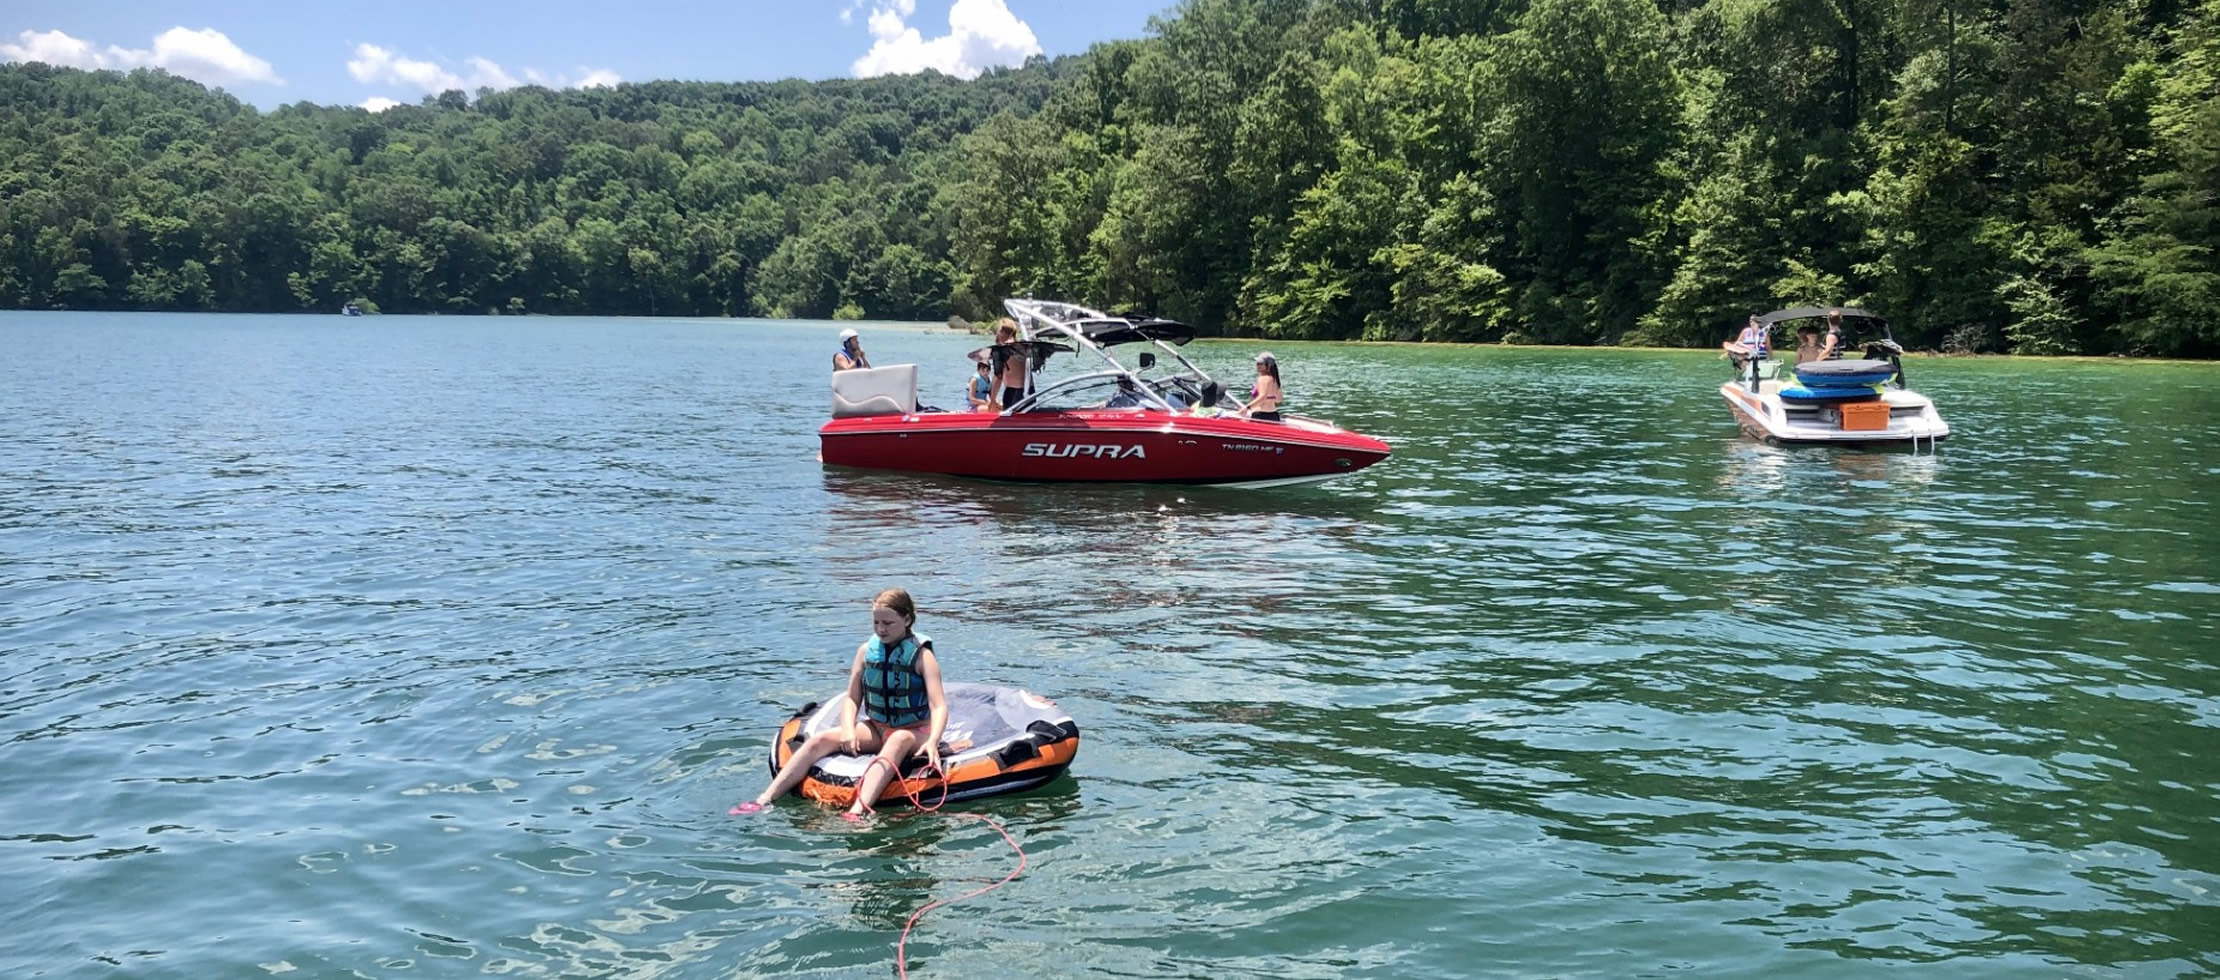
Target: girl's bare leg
point(790, 775)
point(899, 743)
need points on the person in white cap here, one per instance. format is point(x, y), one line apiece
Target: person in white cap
point(850, 354)
point(1264, 397)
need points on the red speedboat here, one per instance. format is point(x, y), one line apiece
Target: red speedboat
point(1108, 425)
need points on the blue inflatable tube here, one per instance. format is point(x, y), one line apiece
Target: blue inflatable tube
point(1795, 395)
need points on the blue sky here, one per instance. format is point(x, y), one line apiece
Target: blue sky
point(273, 52)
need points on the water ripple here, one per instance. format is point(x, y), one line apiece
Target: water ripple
point(444, 646)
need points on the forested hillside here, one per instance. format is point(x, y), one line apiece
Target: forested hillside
point(145, 191)
point(2038, 176)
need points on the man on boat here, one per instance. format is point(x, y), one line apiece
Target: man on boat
point(1012, 365)
point(1832, 346)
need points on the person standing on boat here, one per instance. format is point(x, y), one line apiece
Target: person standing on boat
point(1750, 344)
point(1013, 369)
point(1264, 396)
point(895, 681)
point(850, 354)
point(1832, 346)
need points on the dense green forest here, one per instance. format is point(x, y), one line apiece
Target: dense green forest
point(2035, 176)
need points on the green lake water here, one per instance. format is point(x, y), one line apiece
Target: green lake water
point(393, 647)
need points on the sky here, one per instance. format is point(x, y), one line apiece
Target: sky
point(377, 54)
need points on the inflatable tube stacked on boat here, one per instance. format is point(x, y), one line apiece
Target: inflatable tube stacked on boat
point(1797, 395)
point(998, 740)
point(1817, 375)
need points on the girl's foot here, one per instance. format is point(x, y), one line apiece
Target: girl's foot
point(749, 807)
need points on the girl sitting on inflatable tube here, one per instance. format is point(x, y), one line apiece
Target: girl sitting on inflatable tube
point(896, 680)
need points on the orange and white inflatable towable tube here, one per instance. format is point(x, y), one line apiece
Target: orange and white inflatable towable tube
point(998, 740)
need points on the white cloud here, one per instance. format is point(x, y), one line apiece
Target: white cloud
point(982, 34)
point(376, 65)
point(379, 103)
point(205, 55)
point(600, 78)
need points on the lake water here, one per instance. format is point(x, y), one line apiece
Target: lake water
point(391, 647)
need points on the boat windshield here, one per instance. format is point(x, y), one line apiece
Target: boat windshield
point(1101, 390)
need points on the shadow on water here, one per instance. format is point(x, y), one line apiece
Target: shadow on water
point(876, 499)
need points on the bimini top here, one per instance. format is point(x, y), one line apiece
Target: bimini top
point(1873, 320)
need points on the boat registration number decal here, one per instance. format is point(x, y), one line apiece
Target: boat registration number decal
point(1098, 450)
point(1251, 447)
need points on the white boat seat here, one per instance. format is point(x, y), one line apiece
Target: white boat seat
point(889, 390)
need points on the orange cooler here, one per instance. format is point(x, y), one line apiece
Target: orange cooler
point(1865, 416)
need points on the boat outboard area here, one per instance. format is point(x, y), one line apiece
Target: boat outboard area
point(1161, 420)
point(998, 740)
point(1841, 401)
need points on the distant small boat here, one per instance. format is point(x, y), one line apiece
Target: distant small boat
point(350, 310)
point(1850, 402)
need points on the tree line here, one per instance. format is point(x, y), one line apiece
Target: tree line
point(2033, 176)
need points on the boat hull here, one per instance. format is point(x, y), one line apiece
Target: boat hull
point(1763, 415)
point(1106, 446)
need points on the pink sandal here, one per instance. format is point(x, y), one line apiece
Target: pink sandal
point(749, 807)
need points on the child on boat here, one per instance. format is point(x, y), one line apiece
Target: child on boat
point(895, 681)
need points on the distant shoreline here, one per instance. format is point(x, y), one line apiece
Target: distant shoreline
point(977, 329)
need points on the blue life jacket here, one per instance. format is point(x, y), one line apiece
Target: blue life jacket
point(893, 686)
point(982, 388)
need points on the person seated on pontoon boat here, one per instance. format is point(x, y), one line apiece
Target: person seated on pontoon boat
point(1751, 342)
point(1264, 397)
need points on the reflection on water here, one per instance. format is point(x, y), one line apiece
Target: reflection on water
point(1767, 471)
point(459, 639)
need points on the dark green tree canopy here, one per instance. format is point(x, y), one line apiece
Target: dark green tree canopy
point(2036, 176)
